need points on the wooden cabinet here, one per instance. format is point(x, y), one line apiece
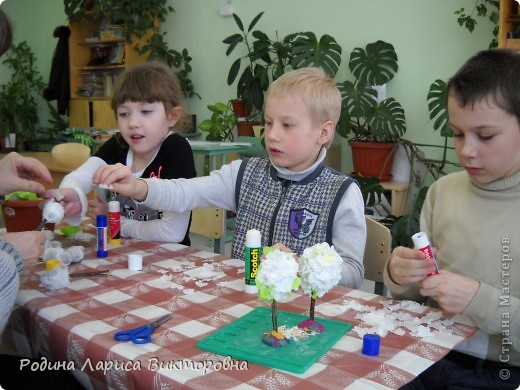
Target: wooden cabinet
point(99, 52)
point(92, 113)
point(508, 23)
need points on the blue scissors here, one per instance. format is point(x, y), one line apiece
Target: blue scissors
point(141, 335)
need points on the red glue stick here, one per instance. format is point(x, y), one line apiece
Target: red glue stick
point(114, 223)
point(421, 242)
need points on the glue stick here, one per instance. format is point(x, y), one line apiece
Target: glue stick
point(252, 259)
point(114, 223)
point(101, 224)
point(421, 242)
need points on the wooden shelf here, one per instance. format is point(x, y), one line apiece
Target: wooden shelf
point(97, 81)
point(400, 196)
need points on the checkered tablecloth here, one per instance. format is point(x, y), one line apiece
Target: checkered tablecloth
point(204, 292)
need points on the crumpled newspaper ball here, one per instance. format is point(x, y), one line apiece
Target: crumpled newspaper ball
point(56, 278)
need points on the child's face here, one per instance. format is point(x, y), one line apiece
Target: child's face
point(486, 138)
point(144, 125)
point(292, 138)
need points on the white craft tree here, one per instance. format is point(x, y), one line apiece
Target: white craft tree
point(320, 270)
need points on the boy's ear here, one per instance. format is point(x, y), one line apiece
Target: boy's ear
point(326, 132)
point(173, 115)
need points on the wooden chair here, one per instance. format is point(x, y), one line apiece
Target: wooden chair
point(377, 251)
point(70, 155)
point(209, 222)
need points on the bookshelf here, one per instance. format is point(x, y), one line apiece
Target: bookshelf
point(509, 24)
point(99, 52)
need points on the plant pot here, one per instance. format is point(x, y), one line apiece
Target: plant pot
point(23, 215)
point(8, 142)
point(372, 159)
point(245, 128)
point(239, 108)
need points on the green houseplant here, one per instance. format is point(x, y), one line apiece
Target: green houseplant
point(374, 123)
point(221, 123)
point(267, 59)
point(20, 98)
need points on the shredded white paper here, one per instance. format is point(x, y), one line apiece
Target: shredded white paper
point(394, 317)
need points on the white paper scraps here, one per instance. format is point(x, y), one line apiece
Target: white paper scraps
point(206, 272)
point(81, 236)
point(394, 317)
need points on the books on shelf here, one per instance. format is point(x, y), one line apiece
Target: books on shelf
point(97, 83)
point(117, 55)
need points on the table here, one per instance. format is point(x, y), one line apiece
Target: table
point(213, 149)
point(204, 292)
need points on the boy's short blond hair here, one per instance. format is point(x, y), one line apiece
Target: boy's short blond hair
point(317, 90)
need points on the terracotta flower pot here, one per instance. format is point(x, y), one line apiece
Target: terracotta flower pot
point(245, 128)
point(23, 215)
point(372, 159)
point(239, 108)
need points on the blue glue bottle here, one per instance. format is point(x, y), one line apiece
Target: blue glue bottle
point(102, 236)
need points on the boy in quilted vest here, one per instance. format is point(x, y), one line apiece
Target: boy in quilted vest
point(291, 197)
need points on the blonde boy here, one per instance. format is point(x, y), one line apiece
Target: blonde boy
point(290, 196)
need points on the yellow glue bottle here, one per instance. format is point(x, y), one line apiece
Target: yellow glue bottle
point(252, 259)
point(114, 223)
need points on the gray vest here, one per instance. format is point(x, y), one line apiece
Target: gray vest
point(296, 214)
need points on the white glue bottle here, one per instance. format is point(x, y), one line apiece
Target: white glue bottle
point(252, 259)
point(421, 242)
point(114, 223)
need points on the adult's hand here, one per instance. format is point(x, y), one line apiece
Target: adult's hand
point(30, 245)
point(19, 173)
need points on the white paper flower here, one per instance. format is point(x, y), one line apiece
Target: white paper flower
point(277, 276)
point(320, 269)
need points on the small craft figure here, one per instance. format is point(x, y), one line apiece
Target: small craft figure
point(320, 270)
point(276, 278)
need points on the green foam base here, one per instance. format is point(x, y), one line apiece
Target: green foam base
point(242, 339)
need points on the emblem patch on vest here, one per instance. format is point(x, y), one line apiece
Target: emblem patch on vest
point(302, 223)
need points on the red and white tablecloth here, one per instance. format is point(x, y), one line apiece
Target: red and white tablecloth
point(204, 292)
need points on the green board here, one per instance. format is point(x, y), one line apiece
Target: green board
point(242, 339)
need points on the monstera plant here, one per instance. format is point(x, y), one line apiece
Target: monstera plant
point(266, 59)
point(371, 123)
point(368, 118)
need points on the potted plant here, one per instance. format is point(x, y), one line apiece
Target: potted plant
point(221, 123)
point(21, 97)
point(22, 211)
point(267, 59)
point(376, 124)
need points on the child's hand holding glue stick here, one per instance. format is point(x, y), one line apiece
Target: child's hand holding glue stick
point(421, 242)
